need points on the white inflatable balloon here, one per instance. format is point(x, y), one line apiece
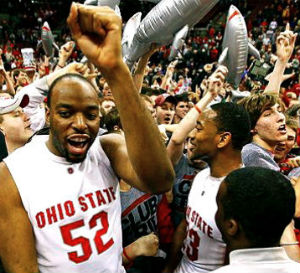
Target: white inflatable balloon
point(236, 46)
point(129, 31)
point(164, 21)
point(109, 3)
point(178, 42)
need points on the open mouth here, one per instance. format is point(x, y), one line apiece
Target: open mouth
point(167, 120)
point(280, 148)
point(78, 144)
point(282, 129)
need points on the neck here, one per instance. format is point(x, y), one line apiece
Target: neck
point(225, 162)
point(12, 146)
point(176, 119)
point(245, 243)
point(266, 145)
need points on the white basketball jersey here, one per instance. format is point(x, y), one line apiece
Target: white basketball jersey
point(74, 209)
point(203, 248)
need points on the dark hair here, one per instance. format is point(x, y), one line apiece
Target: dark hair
point(182, 97)
point(234, 119)
point(151, 91)
point(111, 119)
point(60, 78)
point(262, 201)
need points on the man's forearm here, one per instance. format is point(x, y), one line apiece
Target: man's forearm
point(276, 78)
point(141, 133)
point(188, 123)
point(175, 253)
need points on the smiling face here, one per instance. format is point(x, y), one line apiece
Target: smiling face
point(270, 128)
point(23, 79)
point(205, 137)
point(74, 118)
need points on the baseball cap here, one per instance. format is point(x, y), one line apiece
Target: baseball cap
point(8, 105)
point(159, 101)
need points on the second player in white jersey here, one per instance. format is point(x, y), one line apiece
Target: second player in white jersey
point(203, 248)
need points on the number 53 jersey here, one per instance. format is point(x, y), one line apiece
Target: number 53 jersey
point(74, 209)
point(203, 248)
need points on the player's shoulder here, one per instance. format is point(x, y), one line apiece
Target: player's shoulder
point(202, 174)
point(111, 140)
point(8, 189)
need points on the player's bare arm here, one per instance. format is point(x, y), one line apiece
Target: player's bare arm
point(175, 253)
point(97, 30)
point(17, 248)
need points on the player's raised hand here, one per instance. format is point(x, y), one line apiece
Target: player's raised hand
point(97, 31)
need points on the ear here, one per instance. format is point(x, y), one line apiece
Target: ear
point(47, 114)
point(253, 131)
point(224, 140)
point(232, 227)
point(116, 128)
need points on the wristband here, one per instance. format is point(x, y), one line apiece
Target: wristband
point(198, 109)
point(127, 257)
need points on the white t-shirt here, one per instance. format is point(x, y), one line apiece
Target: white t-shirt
point(203, 248)
point(74, 209)
point(260, 260)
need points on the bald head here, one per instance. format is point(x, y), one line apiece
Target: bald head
point(64, 81)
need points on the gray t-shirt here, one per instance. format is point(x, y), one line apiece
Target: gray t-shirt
point(139, 214)
point(254, 155)
point(185, 174)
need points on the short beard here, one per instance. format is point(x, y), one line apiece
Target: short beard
point(63, 151)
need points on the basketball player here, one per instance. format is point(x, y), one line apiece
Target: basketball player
point(221, 132)
point(60, 201)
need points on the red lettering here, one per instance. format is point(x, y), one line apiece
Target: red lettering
point(51, 215)
point(90, 197)
point(193, 216)
point(83, 205)
point(100, 198)
point(197, 215)
point(60, 212)
point(203, 227)
point(101, 246)
point(111, 189)
point(199, 222)
point(40, 219)
point(69, 208)
point(107, 194)
point(209, 232)
point(188, 211)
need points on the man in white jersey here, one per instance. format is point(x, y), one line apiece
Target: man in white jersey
point(221, 132)
point(254, 207)
point(60, 201)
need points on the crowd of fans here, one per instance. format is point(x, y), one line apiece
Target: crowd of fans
point(209, 129)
